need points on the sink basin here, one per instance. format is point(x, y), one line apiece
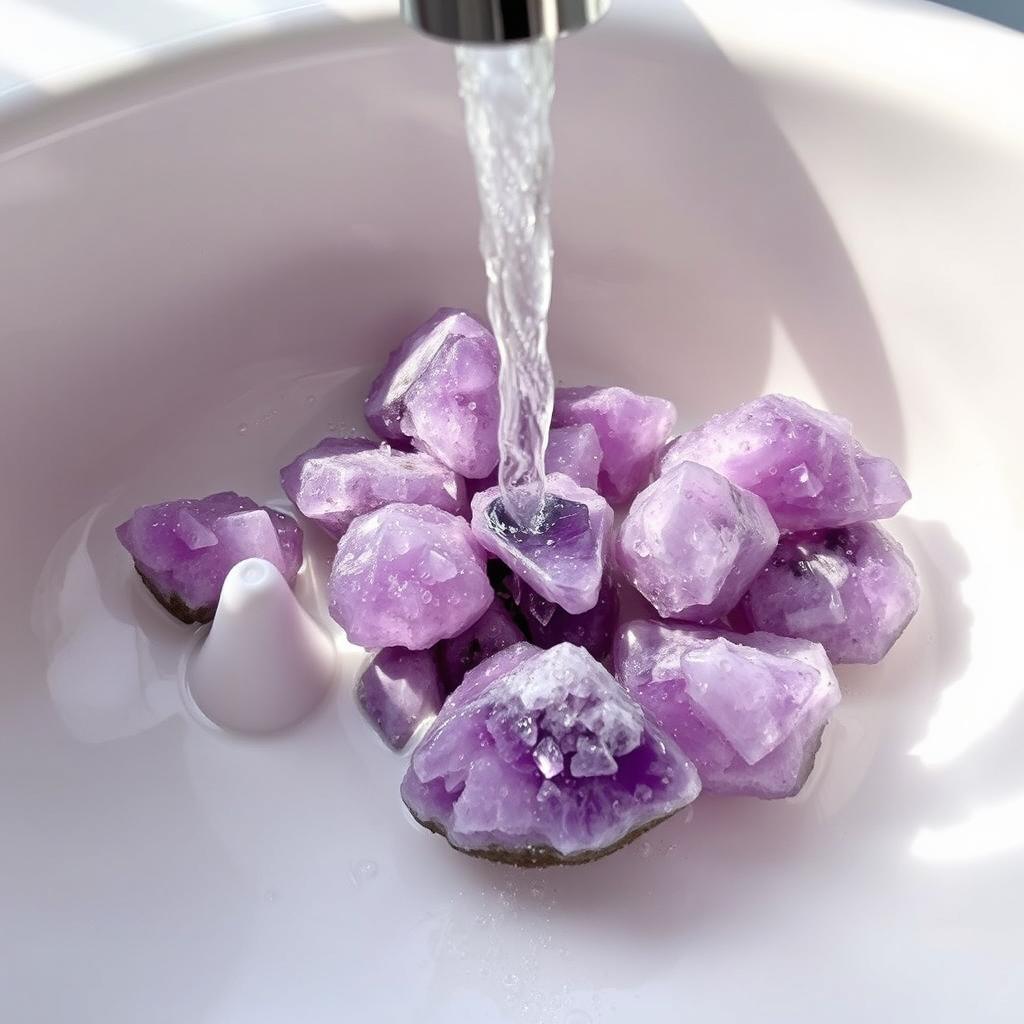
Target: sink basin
point(203, 266)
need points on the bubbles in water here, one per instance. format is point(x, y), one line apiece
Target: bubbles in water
point(362, 872)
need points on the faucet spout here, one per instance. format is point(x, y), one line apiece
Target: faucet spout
point(501, 21)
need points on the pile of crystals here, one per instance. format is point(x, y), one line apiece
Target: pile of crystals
point(558, 732)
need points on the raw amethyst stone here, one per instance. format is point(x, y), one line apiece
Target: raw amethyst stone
point(749, 710)
point(562, 557)
point(852, 589)
point(574, 451)
point(184, 549)
point(492, 632)
point(341, 478)
point(631, 428)
point(539, 758)
point(399, 690)
point(440, 388)
point(547, 624)
point(692, 543)
point(407, 576)
point(804, 462)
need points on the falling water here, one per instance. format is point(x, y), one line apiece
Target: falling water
point(507, 92)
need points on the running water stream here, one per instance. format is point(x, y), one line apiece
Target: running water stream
point(507, 91)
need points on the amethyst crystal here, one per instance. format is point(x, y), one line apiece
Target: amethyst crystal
point(576, 452)
point(631, 428)
point(184, 549)
point(748, 710)
point(440, 388)
point(399, 690)
point(541, 758)
point(492, 632)
point(804, 462)
point(692, 543)
point(547, 624)
point(341, 478)
point(407, 576)
point(852, 589)
point(562, 556)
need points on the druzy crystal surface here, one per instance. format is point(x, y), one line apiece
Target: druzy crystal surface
point(440, 388)
point(492, 632)
point(407, 576)
point(852, 589)
point(805, 463)
point(399, 690)
point(562, 556)
point(692, 543)
point(747, 710)
point(341, 478)
point(184, 549)
point(631, 429)
point(540, 757)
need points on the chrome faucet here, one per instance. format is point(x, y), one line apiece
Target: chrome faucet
point(501, 21)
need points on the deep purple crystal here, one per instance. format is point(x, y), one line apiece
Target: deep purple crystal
point(540, 757)
point(547, 624)
point(407, 576)
point(440, 388)
point(852, 589)
point(561, 557)
point(399, 690)
point(804, 462)
point(748, 710)
point(631, 429)
point(184, 549)
point(341, 478)
point(692, 543)
point(492, 632)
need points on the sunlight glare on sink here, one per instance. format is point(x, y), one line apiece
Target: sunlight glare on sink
point(996, 828)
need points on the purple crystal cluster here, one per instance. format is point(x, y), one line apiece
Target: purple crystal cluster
point(805, 463)
point(630, 429)
point(542, 758)
point(407, 576)
point(748, 710)
point(692, 543)
point(852, 589)
point(562, 557)
point(342, 478)
point(439, 389)
point(184, 549)
point(399, 690)
point(547, 746)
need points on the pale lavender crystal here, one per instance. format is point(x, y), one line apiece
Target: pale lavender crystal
point(492, 632)
point(184, 549)
point(341, 478)
point(547, 624)
point(563, 556)
point(542, 758)
point(804, 462)
point(574, 451)
point(399, 690)
point(631, 428)
point(407, 576)
point(692, 543)
point(748, 710)
point(852, 589)
point(440, 388)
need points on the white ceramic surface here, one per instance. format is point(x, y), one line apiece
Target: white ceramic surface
point(820, 198)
